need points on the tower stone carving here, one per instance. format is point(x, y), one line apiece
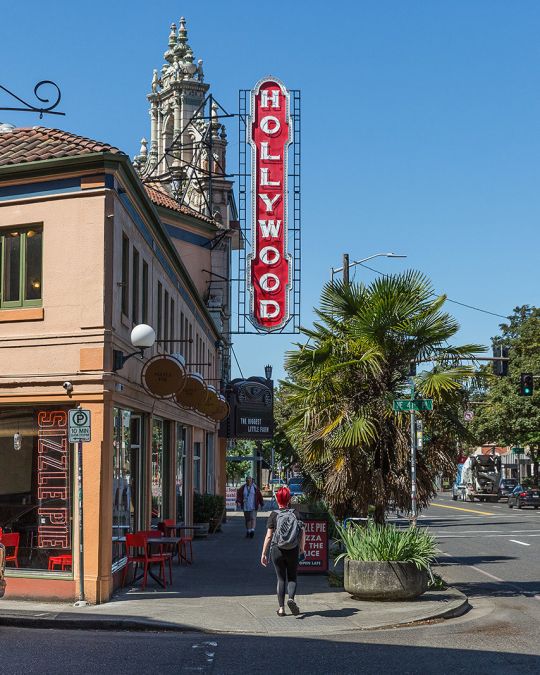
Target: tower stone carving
point(187, 153)
point(186, 159)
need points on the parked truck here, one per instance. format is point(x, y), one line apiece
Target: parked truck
point(478, 478)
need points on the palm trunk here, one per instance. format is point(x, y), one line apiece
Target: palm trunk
point(378, 515)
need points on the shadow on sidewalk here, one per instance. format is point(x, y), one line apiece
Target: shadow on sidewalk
point(330, 613)
point(226, 564)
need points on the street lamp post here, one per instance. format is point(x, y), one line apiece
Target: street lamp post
point(347, 265)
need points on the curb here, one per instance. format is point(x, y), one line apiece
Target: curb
point(28, 619)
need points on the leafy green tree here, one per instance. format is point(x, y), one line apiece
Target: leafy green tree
point(343, 381)
point(505, 417)
point(284, 451)
point(237, 471)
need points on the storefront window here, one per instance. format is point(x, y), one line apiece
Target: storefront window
point(197, 466)
point(35, 487)
point(181, 444)
point(159, 464)
point(123, 497)
point(210, 464)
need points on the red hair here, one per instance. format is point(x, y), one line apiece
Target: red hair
point(283, 496)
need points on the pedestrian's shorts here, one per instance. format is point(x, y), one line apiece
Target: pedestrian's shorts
point(248, 515)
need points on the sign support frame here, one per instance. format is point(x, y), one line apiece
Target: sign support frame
point(81, 602)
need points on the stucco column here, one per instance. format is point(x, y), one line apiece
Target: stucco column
point(97, 506)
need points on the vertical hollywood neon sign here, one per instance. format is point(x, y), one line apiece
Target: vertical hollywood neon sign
point(269, 265)
point(53, 480)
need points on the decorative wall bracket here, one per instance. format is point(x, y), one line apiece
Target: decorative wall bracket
point(28, 107)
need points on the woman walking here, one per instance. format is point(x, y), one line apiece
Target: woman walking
point(285, 537)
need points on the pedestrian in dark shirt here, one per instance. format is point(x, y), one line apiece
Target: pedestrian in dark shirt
point(249, 499)
point(285, 537)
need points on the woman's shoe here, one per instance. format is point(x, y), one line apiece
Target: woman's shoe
point(281, 612)
point(295, 610)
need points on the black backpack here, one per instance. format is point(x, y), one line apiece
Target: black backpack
point(288, 529)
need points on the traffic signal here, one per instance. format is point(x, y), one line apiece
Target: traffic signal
point(526, 384)
point(500, 367)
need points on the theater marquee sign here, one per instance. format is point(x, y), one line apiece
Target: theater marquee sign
point(269, 266)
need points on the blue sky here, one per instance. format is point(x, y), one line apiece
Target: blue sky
point(421, 124)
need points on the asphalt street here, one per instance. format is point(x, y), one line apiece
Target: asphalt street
point(490, 548)
point(484, 552)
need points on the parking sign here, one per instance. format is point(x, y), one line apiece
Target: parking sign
point(80, 423)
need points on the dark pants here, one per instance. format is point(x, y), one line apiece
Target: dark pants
point(285, 563)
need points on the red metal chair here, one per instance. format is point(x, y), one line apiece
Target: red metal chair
point(183, 544)
point(11, 540)
point(167, 526)
point(62, 561)
point(185, 541)
point(137, 553)
point(153, 534)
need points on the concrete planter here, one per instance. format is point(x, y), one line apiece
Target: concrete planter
point(384, 580)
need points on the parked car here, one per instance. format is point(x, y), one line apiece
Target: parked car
point(506, 487)
point(522, 496)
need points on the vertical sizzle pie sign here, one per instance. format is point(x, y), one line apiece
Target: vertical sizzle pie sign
point(269, 265)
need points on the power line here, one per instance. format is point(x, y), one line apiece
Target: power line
point(455, 302)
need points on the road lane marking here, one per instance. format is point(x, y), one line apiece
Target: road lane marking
point(515, 541)
point(493, 531)
point(460, 508)
point(484, 536)
point(491, 576)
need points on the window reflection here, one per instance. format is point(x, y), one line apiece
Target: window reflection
point(157, 471)
point(123, 492)
point(33, 264)
point(12, 267)
point(35, 488)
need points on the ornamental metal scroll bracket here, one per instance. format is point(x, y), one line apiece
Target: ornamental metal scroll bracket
point(29, 107)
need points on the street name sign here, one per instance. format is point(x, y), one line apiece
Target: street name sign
point(80, 422)
point(406, 405)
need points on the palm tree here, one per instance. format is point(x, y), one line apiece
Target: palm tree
point(343, 381)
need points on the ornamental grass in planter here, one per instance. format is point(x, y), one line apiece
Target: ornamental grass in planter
point(383, 562)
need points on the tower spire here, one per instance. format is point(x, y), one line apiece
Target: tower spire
point(182, 32)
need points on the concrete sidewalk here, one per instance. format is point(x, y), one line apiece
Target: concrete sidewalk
point(226, 590)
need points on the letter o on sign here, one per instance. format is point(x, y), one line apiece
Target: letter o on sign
point(269, 255)
point(270, 282)
point(270, 120)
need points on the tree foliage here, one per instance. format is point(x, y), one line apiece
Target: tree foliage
point(504, 417)
point(343, 381)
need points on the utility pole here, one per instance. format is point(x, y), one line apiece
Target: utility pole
point(345, 269)
point(414, 510)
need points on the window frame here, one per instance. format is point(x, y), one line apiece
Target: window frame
point(166, 308)
point(144, 294)
point(172, 327)
point(124, 284)
point(22, 302)
point(159, 318)
point(197, 462)
point(136, 286)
